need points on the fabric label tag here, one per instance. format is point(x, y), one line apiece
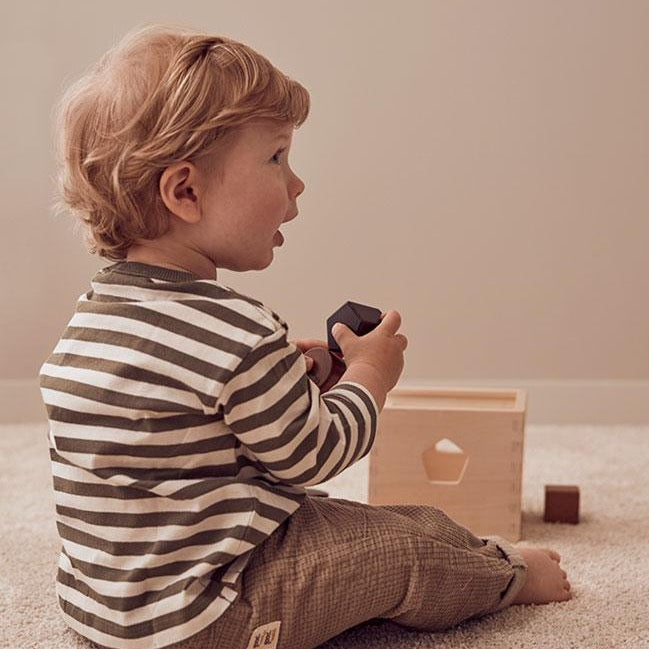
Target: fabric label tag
point(266, 636)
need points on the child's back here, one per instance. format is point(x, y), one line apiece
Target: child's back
point(154, 492)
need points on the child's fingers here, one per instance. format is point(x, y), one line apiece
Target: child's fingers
point(391, 321)
point(403, 340)
point(308, 343)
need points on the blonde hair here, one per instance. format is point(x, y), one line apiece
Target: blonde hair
point(161, 95)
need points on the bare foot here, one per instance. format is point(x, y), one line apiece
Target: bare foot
point(546, 581)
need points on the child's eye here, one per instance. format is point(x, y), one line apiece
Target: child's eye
point(277, 158)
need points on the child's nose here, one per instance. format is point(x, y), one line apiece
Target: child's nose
point(297, 186)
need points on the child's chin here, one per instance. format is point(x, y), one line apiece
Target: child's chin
point(244, 265)
point(260, 264)
point(267, 263)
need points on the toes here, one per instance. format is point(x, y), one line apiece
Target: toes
point(567, 588)
point(564, 593)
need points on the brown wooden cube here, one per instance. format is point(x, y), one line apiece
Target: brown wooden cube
point(561, 504)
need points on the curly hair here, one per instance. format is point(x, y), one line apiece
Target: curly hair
point(161, 95)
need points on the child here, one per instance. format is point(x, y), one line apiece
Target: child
point(183, 425)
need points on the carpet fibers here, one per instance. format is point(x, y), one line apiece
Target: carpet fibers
point(606, 555)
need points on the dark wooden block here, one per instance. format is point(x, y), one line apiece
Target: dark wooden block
point(561, 504)
point(322, 364)
point(338, 368)
point(327, 368)
point(359, 318)
point(328, 364)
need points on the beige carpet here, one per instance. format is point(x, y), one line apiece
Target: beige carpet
point(606, 555)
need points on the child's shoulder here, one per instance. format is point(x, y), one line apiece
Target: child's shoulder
point(246, 306)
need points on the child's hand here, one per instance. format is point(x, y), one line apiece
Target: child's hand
point(376, 359)
point(305, 345)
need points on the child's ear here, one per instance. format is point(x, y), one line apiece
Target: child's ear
point(177, 189)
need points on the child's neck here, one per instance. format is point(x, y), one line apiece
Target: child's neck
point(184, 260)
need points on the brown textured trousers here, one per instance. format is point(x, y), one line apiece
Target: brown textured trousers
point(334, 564)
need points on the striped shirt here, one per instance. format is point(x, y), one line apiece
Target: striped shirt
point(183, 430)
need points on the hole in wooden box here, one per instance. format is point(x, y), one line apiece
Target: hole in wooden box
point(445, 462)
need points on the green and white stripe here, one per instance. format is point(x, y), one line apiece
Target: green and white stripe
point(183, 430)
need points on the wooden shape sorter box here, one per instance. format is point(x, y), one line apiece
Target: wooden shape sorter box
point(456, 449)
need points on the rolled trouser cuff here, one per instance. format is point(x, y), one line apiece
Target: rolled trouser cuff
point(519, 565)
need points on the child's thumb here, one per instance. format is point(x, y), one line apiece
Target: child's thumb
point(340, 332)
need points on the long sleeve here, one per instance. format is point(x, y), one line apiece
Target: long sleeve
point(297, 435)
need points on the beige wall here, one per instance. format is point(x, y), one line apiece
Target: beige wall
point(481, 166)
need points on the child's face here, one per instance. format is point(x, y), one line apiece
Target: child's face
point(246, 201)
